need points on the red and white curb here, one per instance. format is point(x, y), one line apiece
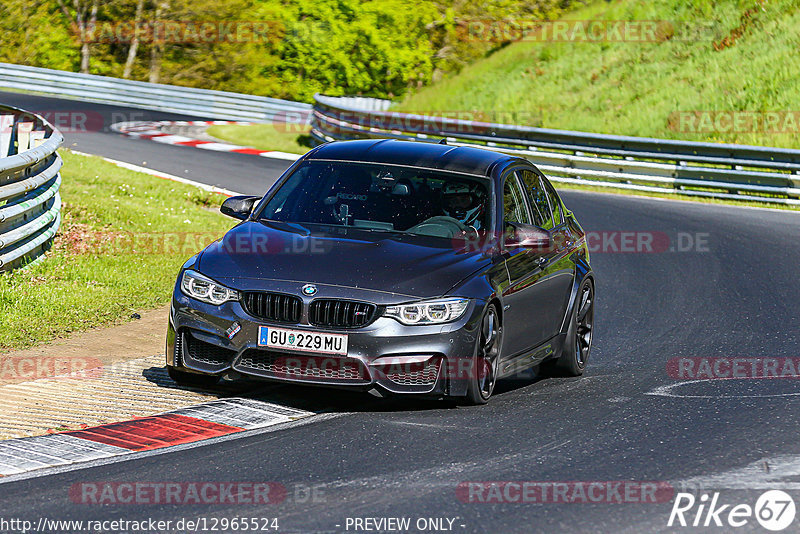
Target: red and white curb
point(152, 130)
point(178, 427)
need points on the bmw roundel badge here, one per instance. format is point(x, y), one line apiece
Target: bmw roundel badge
point(309, 290)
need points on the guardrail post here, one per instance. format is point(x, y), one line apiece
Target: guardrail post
point(6, 129)
point(24, 129)
point(36, 138)
point(795, 183)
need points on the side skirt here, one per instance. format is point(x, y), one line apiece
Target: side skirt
point(531, 358)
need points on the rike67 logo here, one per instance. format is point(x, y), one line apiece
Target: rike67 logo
point(774, 510)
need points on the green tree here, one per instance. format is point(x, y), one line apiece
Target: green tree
point(376, 48)
point(380, 48)
point(22, 40)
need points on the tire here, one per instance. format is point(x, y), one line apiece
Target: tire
point(578, 343)
point(483, 374)
point(182, 378)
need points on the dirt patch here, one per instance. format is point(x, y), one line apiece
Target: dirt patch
point(747, 18)
point(86, 350)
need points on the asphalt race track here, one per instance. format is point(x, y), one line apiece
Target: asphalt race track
point(732, 292)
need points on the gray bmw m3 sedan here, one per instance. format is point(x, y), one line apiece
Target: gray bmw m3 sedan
point(393, 266)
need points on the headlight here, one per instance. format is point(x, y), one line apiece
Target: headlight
point(199, 287)
point(428, 311)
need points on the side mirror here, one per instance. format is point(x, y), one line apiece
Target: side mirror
point(239, 207)
point(529, 236)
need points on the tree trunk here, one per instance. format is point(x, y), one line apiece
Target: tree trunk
point(134, 48)
point(85, 57)
point(86, 30)
point(155, 63)
point(157, 50)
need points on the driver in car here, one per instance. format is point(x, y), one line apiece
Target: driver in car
point(463, 204)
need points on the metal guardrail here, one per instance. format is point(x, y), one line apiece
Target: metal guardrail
point(161, 97)
point(30, 204)
point(364, 103)
point(715, 170)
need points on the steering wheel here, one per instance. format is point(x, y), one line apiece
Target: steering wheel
point(440, 226)
point(332, 210)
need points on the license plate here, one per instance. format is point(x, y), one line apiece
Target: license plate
point(282, 338)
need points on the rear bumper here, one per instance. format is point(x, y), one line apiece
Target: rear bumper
point(384, 355)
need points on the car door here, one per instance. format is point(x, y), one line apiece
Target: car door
point(557, 270)
point(524, 324)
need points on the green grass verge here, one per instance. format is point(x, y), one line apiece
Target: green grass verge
point(291, 138)
point(640, 88)
point(92, 277)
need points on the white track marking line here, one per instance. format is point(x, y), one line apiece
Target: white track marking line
point(171, 139)
point(276, 154)
point(143, 133)
point(217, 147)
point(666, 391)
point(159, 174)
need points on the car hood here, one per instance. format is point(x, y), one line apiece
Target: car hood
point(254, 253)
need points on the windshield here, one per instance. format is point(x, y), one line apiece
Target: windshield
point(382, 197)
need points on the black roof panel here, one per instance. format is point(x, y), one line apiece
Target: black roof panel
point(417, 154)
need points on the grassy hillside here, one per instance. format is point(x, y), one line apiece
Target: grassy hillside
point(725, 56)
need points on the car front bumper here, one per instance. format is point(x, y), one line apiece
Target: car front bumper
point(384, 355)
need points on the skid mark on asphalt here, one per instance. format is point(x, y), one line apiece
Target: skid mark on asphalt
point(111, 393)
point(178, 427)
